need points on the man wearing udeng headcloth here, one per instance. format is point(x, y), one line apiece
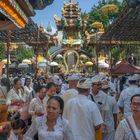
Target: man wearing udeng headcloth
point(83, 115)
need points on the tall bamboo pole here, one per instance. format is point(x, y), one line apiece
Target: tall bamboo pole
point(8, 51)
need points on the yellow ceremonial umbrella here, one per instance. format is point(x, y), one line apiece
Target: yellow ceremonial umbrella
point(97, 25)
point(40, 58)
point(88, 64)
point(109, 8)
point(5, 61)
point(82, 56)
point(27, 61)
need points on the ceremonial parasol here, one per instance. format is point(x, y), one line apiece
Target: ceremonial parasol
point(27, 61)
point(5, 61)
point(109, 8)
point(97, 25)
point(88, 64)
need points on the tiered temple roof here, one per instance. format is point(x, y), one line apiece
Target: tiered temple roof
point(31, 35)
point(70, 16)
point(40, 4)
point(15, 13)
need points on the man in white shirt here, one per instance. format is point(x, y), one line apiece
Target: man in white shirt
point(72, 91)
point(98, 96)
point(37, 105)
point(83, 115)
point(111, 115)
point(126, 94)
point(58, 83)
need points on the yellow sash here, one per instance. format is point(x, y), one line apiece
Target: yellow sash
point(98, 134)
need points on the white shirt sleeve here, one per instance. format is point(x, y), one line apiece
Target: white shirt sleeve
point(121, 100)
point(32, 107)
point(11, 97)
point(115, 108)
point(96, 117)
point(68, 135)
point(31, 131)
point(120, 133)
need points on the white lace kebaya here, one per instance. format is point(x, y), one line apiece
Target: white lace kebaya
point(124, 132)
point(61, 131)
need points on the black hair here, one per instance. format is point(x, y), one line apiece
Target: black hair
point(98, 83)
point(132, 82)
point(26, 81)
point(41, 87)
point(59, 100)
point(16, 80)
point(106, 90)
point(136, 95)
point(122, 82)
point(49, 85)
point(19, 124)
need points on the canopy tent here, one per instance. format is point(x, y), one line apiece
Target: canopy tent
point(125, 68)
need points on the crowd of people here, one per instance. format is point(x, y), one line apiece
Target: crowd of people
point(70, 107)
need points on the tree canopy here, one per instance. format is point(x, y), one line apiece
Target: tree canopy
point(24, 53)
point(97, 15)
point(2, 51)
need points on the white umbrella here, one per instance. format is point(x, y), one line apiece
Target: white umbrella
point(27, 61)
point(53, 64)
point(42, 64)
point(23, 65)
point(59, 56)
point(82, 56)
point(118, 62)
point(102, 64)
point(5, 61)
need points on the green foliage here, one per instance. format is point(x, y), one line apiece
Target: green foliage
point(116, 53)
point(96, 14)
point(2, 51)
point(24, 53)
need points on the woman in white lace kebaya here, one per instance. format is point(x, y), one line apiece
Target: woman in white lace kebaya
point(29, 94)
point(129, 128)
point(51, 126)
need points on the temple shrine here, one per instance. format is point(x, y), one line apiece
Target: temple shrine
point(72, 27)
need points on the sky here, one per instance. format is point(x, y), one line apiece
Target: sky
point(43, 16)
